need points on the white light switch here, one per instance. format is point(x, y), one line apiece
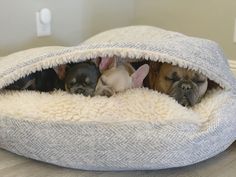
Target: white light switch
point(43, 22)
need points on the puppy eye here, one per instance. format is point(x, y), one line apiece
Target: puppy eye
point(73, 81)
point(87, 80)
point(198, 81)
point(102, 81)
point(174, 79)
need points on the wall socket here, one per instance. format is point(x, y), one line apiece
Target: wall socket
point(43, 22)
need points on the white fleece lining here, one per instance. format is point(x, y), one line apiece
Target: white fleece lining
point(135, 104)
point(132, 105)
point(78, 56)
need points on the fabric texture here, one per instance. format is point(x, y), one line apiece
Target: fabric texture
point(136, 129)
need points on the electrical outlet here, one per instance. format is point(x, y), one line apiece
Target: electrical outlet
point(43, 22)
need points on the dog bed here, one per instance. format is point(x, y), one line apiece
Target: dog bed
point(134, 130)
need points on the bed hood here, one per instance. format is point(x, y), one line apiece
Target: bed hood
point(136, 42)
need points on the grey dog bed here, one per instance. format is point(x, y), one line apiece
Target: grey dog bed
point(136, 129)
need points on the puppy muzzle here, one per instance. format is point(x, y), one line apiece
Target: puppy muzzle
point(81, 90)
point(184, 93)
point(104, 91)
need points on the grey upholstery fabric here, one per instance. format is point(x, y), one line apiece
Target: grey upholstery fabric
point(124, 145)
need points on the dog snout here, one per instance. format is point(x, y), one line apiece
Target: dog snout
point(107, 93)
point(104, 91)
point(77, 90)
point(80, 91)
point(186, 86)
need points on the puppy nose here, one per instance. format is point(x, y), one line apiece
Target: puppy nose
point(107, 93)
point(80, 90)
point(186, 86)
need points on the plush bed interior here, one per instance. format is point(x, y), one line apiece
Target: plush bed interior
point(132, 105)
point(141, 104)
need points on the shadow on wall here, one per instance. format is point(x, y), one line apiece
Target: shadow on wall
point(37, 42)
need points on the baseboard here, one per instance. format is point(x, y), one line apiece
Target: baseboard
point(232, 64)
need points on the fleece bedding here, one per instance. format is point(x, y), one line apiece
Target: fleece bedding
point(139, 129)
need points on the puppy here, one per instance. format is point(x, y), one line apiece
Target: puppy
point(82, 78)
point(44, 81)
point(185, 86)
point(49, 80)
point(26, 83)
point(119, 76)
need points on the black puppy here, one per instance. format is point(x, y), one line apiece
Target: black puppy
point(76, 78)
point(48, 80)
point(45, 81)
point(26, 83)
point(82, 78)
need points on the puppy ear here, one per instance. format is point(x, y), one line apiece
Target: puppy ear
point(155, 66)
point(107, 63)
point(211, 85)
point(139, 75)
point(61, 71)
point(97, 61)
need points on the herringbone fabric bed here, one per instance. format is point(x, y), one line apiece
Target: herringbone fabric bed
point(137, 129)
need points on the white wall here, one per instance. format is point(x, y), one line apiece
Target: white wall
point(212, 19)
point(72, 21)
point(76, 20)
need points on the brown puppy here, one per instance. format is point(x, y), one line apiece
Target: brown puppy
point(186, 86)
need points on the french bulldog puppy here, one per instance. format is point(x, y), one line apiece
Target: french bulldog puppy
point(82, 78)
point(44, 81)
point(119, 76)
point(26, 83)
point(75, 78)
point(185, 86)
point(48, 80)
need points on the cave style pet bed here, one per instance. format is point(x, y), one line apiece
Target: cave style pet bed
point(136, 129)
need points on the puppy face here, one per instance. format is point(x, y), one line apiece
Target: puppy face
point(119, 77)
point(112, 81)
point(186, 86)
point(82, 78)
